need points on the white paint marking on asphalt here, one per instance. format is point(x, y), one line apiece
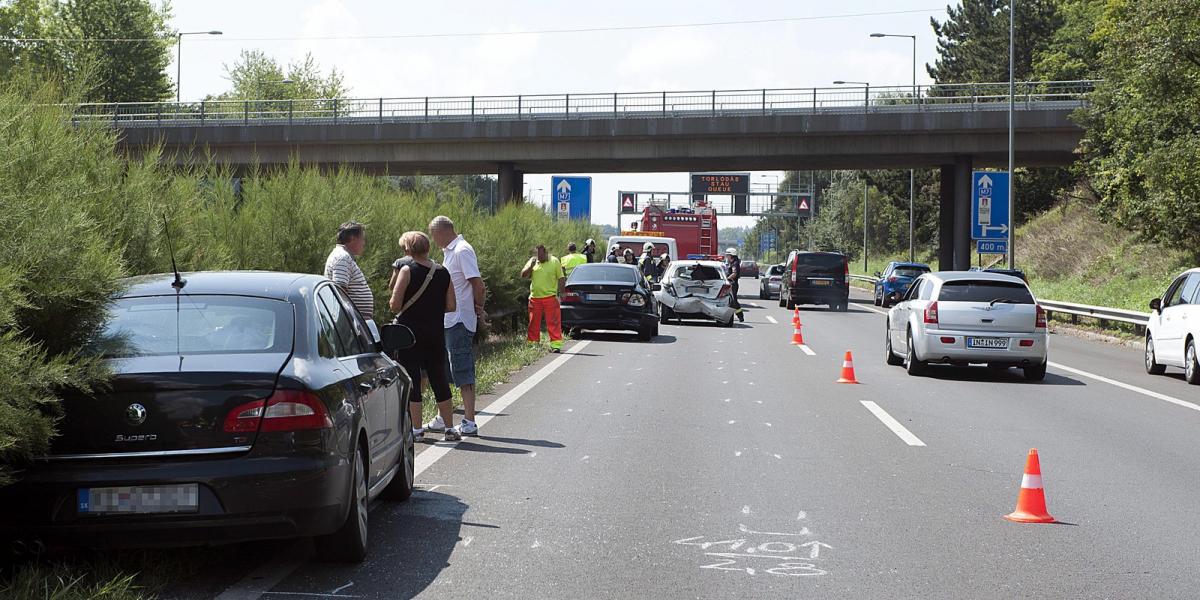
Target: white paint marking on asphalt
point(758, 401)
point(728, 399)
point(605, 414)
point(737, 453)
point(536, 544)
point(777, 456)
point(570, 410)
point(803, 515)
point(339, 590)
point(585, 457)
point(467, 540)
point(732, 422)
point(724, 382)
point(262, 579)
point(1123, 385)
point(809, 351)
point(308, 595)
point(746, 509)
point(891, 423)
point(803, 531)
point(772, 320)
point(533, 455)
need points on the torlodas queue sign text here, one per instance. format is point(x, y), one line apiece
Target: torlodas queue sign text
point(720, 183)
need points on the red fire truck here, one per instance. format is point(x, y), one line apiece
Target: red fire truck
point(694, 229)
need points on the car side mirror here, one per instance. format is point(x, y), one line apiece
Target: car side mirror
point(878, 275)
point(394, 337)
point(1156, 305)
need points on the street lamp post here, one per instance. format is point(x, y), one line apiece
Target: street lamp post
point(868, 87)
point(1012, 177)
point(911, 172)
point(179, 58)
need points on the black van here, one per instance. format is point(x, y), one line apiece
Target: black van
point(816, 278)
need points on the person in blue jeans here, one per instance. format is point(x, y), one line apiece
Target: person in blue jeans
point(460, 325)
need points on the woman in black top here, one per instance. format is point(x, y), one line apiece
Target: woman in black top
point(420, 296)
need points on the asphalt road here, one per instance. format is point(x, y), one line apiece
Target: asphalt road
point(718, 463)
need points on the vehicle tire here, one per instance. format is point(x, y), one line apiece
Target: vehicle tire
point(844, 305)
point(911, 363)
point(892, 359)
point(401, 486)
point(878, 299)
point(1036, 373)
point(782, 298)
point(791, 305)
point(728, 323)
point(665, 315)
point(349, 543)
point(645, 334)
point(1152, 366)
point(1191, 368)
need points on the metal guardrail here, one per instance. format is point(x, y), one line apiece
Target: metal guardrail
point(614, 105)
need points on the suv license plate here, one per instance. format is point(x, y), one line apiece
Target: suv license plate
point(820, 282)
point(998, 343)
point(142, 499)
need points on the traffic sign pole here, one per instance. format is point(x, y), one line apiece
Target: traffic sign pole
point(1012, 18)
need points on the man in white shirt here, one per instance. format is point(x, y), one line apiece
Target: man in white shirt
point(343, 271)
point(469, 292)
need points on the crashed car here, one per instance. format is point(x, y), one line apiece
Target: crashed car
point(695, 289)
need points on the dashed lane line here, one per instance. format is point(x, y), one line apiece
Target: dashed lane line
point(901, 431)
point(260, 581)
point(772, 320)
point(804, 348)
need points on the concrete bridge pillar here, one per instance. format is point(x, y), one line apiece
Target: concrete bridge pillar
point(962, 212)
point(510, 184)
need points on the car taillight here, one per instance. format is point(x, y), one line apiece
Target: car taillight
point(931, 314)
point(570, 297)
point(1041, 318)
point(794, 265)
point(893, 279)
point(633, 299)
point(285, 410)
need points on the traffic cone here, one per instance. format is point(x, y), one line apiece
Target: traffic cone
point(797, 337)
point(1031, 502)
point(847, 370)
point(796, 317)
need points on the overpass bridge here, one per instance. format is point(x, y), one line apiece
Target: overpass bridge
point(952, 127)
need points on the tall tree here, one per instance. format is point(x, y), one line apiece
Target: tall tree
point(973, 41)
point(1143, 140)
point(258, 76)
point(1073, 52)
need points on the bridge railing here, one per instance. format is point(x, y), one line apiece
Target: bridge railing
point(616, 105)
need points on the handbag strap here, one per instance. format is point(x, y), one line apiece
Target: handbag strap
point(425, 284)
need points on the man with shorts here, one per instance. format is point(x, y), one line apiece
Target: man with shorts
point(460, 325)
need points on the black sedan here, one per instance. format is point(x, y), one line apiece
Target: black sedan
point(243, 406)
point(609, 296)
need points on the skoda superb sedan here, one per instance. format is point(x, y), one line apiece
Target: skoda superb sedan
point(609, 296)
point(962, 318)
point(243, 406)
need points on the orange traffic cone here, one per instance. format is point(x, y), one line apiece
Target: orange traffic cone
point(1031, 502)
point(847, 370)
point(797, 337)
point(796, 317)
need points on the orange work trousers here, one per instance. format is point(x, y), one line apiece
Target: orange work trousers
point(553, 312)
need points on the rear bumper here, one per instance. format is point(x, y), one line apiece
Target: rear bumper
point(931, 348)
point(615, 317)
point(819, 295)
point(241, 498)
point(687, 307)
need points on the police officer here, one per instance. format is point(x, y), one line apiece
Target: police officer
point(735, 273)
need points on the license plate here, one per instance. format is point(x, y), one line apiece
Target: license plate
point(142, 499)
point(820, 282)
point(602, 297)
point(697, 288)
point(987, 342)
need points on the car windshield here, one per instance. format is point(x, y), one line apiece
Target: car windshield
point(776, 270)
point(968, 290)
point(910, 272)
point(699, 273)
point(602, 272)
point(170, 325)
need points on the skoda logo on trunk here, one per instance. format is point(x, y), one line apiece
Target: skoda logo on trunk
point(135, 414)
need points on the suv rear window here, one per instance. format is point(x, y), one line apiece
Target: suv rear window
point(820, 263)
point(165, 326)
point(913, 272)
point(966, 290)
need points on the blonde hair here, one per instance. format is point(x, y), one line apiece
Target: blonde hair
point(415, 243)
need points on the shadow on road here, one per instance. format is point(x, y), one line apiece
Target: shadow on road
point(987, 374)
point(411, 544)
point(522, 442)
point(608, 336)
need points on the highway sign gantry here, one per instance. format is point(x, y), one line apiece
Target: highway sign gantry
point(989, 205)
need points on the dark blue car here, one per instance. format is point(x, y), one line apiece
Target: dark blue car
point(895, 279)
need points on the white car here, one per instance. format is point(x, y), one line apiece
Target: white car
point(964, 317)
point(1174, 328)
point(695, 289)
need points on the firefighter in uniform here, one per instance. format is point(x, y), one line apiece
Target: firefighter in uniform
point(735, 273)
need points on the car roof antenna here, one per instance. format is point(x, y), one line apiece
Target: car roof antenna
point(179, 280)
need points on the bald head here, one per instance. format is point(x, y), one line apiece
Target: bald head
point(441, 229)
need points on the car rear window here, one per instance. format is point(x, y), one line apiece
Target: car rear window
point(965, 290)
point(599, 272)
point(170, 325)
point(820, 263)
point(776, 270)
point(913, 272)
point(699, 273)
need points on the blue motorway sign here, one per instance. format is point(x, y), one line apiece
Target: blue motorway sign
point(989, 205)
point(572, 197)
point(991, 246)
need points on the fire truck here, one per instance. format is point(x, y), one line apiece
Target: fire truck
point(694, 229)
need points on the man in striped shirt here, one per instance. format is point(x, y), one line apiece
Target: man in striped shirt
point(341, 269)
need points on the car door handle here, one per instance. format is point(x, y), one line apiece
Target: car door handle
point(366, 387)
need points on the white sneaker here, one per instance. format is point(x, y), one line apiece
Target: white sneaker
point(418, 435)
point(468, 428)
point(436, 425)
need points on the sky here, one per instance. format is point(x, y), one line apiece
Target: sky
point(791, 54)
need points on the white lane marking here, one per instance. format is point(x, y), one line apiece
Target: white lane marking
point(309, 595)
point(744, 529)
point(261, 580)
point(898, 429)
point(777, 456)
point(585, 457)
point(737, 453)
point(339, 590)
point(1123, 385)
point(434, 454)
point(801, 516)
point(804, 348)
point(746, 509)
point(772, 319)
point(873, 309)
point(467, 540)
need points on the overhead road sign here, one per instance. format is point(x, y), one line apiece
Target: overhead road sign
point(991, 246)
point(573, 196)
point(989, 205)
point(720, 183)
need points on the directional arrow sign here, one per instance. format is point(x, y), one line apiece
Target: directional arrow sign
point(564, 189)
point(814, 548)
point(989, 205)
point(576, 192)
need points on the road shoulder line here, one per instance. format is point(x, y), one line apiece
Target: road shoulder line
point(1126, 386)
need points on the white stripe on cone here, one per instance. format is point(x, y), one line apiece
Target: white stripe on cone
point(1031, 482)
